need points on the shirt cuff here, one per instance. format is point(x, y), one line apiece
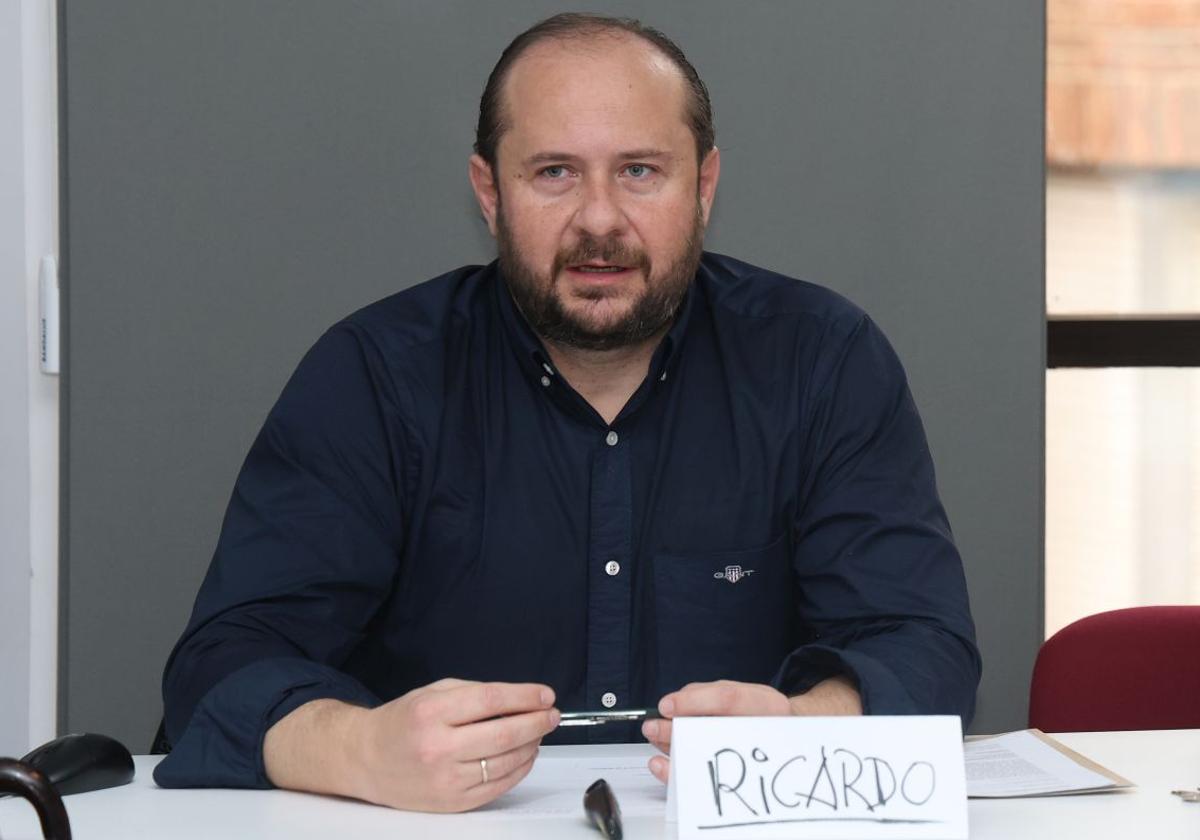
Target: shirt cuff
point(879, 688)
point(222, 744)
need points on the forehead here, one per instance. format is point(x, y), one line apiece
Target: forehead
point(593, 92)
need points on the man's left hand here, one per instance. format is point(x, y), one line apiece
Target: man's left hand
point(834, 696)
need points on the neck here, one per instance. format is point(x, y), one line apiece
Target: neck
point(605, 378)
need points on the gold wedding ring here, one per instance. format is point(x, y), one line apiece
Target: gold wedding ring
point(483, 767)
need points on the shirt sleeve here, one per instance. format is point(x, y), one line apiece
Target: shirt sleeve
point(882, 597)
point(307, 553)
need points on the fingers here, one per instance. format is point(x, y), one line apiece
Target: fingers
point(422, 750)
point(480, 701)
point(498, 766)
point(474, 741)
point(448, 682)
point(715, 698)
point(658, 733)
point(724, 697)
point(485, 793)
point(660, 768)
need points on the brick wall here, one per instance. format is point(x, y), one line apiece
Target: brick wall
point(1123, 83)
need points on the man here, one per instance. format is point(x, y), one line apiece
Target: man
point(607, 470)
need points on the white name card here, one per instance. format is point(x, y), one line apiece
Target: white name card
point(848, 778)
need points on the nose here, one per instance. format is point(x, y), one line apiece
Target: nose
point(599, 212)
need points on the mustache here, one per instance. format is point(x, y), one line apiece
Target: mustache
point(608, 249)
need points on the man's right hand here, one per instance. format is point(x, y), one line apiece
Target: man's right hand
point(421, 751)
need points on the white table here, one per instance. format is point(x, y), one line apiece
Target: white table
point(1157, 762)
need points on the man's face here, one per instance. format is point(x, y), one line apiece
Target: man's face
point(596, 200)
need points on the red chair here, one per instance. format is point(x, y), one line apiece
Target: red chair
point(1137, 668)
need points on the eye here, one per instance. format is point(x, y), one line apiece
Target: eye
point(554, 173)
point(639, 171)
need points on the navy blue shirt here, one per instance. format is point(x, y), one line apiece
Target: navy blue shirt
point(430, 498)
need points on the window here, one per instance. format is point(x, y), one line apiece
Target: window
point(1123, 306)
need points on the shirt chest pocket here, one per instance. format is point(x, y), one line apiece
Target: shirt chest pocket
point(726, 615)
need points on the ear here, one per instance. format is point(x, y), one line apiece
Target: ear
point(483, 182)
point(710, 173)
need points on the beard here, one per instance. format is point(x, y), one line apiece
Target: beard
point(537, 295)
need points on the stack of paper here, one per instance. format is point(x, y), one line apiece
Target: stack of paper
point(1031, 763)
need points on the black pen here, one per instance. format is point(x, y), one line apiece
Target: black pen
point(602, 809)
point(607, 716)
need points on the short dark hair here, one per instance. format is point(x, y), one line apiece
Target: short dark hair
point(491, 126)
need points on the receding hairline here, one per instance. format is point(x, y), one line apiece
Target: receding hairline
point(586, 37)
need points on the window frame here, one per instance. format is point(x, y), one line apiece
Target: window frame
point(1100, 341)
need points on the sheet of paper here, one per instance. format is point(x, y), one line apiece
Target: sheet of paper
point(555, 786)
point(1031, 763)
point(819, 777)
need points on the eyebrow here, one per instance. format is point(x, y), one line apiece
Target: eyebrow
point(640, 154)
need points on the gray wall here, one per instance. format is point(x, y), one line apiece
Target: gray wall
point(239, 175)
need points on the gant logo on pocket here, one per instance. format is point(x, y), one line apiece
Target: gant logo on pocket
point(733, 574)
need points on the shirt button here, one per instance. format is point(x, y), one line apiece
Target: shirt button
point(612, 568)
point(608, 700)
point(611, 439)
point(545, 381)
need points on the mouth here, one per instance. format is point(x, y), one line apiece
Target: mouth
point(599, 271)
